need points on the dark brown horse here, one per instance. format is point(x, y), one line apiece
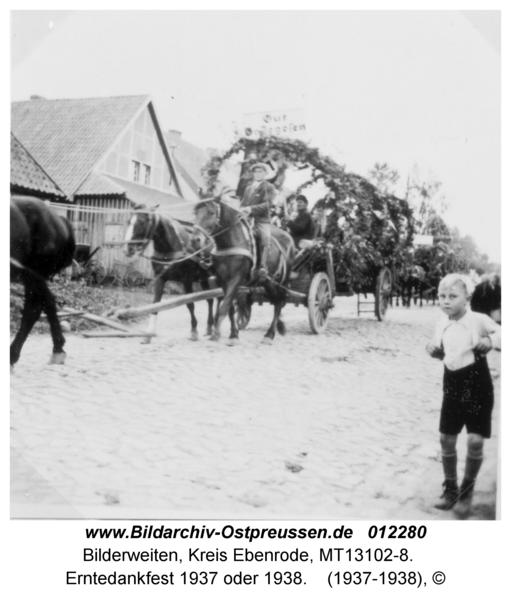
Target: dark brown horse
point(233, 259)
point(170, 262)
point(42, 244)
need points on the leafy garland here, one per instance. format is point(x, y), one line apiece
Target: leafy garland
point(367, 229)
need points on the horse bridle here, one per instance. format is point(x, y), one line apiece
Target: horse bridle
point(216, 204)
point(153, 222)
point(211, 236)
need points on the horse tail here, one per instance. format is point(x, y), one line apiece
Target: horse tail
point(281, 327)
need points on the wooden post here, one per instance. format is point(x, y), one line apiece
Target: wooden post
point(121, 334)
point(128, 313)
point(99, 320)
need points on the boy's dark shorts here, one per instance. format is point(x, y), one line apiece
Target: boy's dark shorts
point(468, 400)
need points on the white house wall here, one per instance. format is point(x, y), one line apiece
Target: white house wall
point(140, 146)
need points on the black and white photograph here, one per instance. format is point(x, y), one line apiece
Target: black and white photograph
point(255, 264)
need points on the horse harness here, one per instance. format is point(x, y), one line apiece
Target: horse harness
point(249, 235)
point(165, 259)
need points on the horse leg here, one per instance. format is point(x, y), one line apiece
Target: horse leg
point(32, 309)
point(50, 308)
point(159, 286)
point(279, 302)
point(194, 335)
point(211, 318)
point(275, 324)
point(225, 305)
point(233, 338)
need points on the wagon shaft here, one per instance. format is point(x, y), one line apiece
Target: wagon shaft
point(129, 313)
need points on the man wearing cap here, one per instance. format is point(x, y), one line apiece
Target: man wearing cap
point(256, 202)
point(302, 226)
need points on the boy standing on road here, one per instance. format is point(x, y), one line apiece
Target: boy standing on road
point(462, 340)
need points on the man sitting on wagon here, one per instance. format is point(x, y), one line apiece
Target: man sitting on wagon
point(302, 227)
point(257, 199)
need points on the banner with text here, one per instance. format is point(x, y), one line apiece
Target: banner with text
point(283, 123)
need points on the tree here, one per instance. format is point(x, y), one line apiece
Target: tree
point(426, 199)
point(384, 178)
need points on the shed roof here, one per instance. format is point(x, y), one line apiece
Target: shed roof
point(26, 174)
point(177, 207)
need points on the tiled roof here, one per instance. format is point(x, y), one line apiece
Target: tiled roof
point(68, 137)
point(97, 184)
point(27, 174)
point(176, 206)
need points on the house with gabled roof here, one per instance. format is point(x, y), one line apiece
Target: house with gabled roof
point(105, 155)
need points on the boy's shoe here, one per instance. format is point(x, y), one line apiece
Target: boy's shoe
point(450, 496)
point(465, 499)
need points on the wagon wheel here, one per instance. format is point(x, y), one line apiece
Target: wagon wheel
point(319, 302)
point(383, 293)
point(76, 269)
point(134, 279)
point(95, 272)
point(243, 311)
point(149, 286)
point(117, 274)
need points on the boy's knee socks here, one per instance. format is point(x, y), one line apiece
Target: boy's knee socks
point(472, 466)
point(450, 463)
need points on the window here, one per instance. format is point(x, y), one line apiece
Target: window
point(147, 174)
point(136, 170)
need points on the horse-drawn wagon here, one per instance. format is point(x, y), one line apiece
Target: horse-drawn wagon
point(314, 284)
point(365, 232)
point(362, 233)
point(310, 284)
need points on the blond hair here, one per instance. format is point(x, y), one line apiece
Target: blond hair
point(463, 280)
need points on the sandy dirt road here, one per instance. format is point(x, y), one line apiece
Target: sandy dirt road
point(342, 425)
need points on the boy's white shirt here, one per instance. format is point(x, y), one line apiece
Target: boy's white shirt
point(458, 338)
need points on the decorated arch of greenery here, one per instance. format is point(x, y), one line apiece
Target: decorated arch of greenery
point(367, 228)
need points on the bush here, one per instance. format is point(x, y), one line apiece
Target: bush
point(79, 296)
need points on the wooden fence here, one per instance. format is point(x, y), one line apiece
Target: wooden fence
point(103, 223)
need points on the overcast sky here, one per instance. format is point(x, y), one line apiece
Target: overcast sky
point(406, 88)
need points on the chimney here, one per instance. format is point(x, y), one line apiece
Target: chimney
point(36, 97)
point(175, 134)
